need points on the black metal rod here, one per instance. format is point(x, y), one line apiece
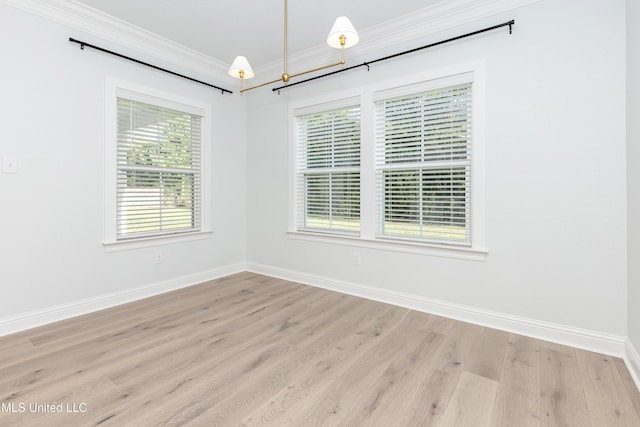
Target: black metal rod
point(368, 63)
point(137, 61)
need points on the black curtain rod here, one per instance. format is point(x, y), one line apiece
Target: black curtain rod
point(119, 55)
point(366, 64)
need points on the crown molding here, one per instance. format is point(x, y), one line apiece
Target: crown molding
point(416, 25)
point(419, 24)
point(83, 18)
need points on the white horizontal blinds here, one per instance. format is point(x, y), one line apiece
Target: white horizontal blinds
point(158, 164)
point(423, 166)
point(328, 170)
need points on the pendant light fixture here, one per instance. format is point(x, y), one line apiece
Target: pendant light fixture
point(342, 36)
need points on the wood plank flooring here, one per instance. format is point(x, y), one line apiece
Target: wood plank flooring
point(250, 350)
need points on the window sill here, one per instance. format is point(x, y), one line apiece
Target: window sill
point(471, 254)
point(148, 242)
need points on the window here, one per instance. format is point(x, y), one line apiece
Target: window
point(395, 165)
point(154, 169)
point(423, 165)
point(328, 172)
point(158, 185)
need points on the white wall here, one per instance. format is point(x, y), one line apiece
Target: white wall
point(52, 213)
point(556, 175)
point(633, 175)
point(557, 212)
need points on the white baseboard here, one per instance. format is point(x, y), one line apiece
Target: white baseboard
point(32, 319)
point(580, 338)
point(632, 360)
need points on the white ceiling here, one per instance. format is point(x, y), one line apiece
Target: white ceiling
point(223, 29)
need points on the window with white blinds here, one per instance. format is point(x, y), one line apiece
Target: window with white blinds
point(158, 173)
point(402, 168)
point(423, 166)
point(328, 170)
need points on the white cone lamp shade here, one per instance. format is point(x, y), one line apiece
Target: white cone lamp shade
point(241, 64)
point(342, 27)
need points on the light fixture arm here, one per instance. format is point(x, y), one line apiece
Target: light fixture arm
point(341, 28)
point(260, 85)
point(324, 67)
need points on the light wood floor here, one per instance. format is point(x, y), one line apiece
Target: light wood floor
point(253, 350)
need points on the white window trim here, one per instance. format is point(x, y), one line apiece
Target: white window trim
point(367, 94)
point(115, 88)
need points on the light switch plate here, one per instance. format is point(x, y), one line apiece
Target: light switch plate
point(9, 164)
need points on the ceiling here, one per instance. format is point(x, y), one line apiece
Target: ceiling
point(223, 29)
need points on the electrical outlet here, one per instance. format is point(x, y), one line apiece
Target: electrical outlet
point(158, 257)
point(356, 258)
point(10, 164)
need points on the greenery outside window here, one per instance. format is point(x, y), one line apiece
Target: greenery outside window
point(328, 170)
point(156, 167)
point(158, 172)
point(419, 164)
point(423, 166)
